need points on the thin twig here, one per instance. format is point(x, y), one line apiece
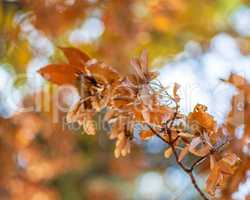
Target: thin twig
point(199, 161)
point(174, 151)
point(171, 143)
point(157, 134)
point(175, 140)
point(185, 169)
point(194, 182)
point(188, 171)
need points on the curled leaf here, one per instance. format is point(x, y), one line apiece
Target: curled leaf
point(201, 118)
point(141, 72)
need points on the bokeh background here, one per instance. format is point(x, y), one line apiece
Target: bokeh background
point(195, 43)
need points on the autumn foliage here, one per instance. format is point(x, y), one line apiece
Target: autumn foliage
point(138, 98)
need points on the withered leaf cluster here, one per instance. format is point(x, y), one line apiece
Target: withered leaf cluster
point(136, 98)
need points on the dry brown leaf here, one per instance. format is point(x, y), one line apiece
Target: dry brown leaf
point(228, 163)
point(212, 161)
point(221, 171)
point(197, 147)
point(237, 80)
point(141, 73)
point(75, 56)
point(103, 72)
point(60, 74)
point(201, 118)
point(213, 180)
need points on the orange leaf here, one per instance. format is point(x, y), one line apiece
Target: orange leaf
point(237, 81)
point(146, 134)
point(59, 74)
point(75, 56)
point(228, 163)
point(212, 162)
point(225, 167)
point(213, 180)
point(202, 118)
point(104, 73)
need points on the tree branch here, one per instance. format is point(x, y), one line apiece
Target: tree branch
point(157, 134)
point(188, 171)
point(185, 169)
point(194, 182)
